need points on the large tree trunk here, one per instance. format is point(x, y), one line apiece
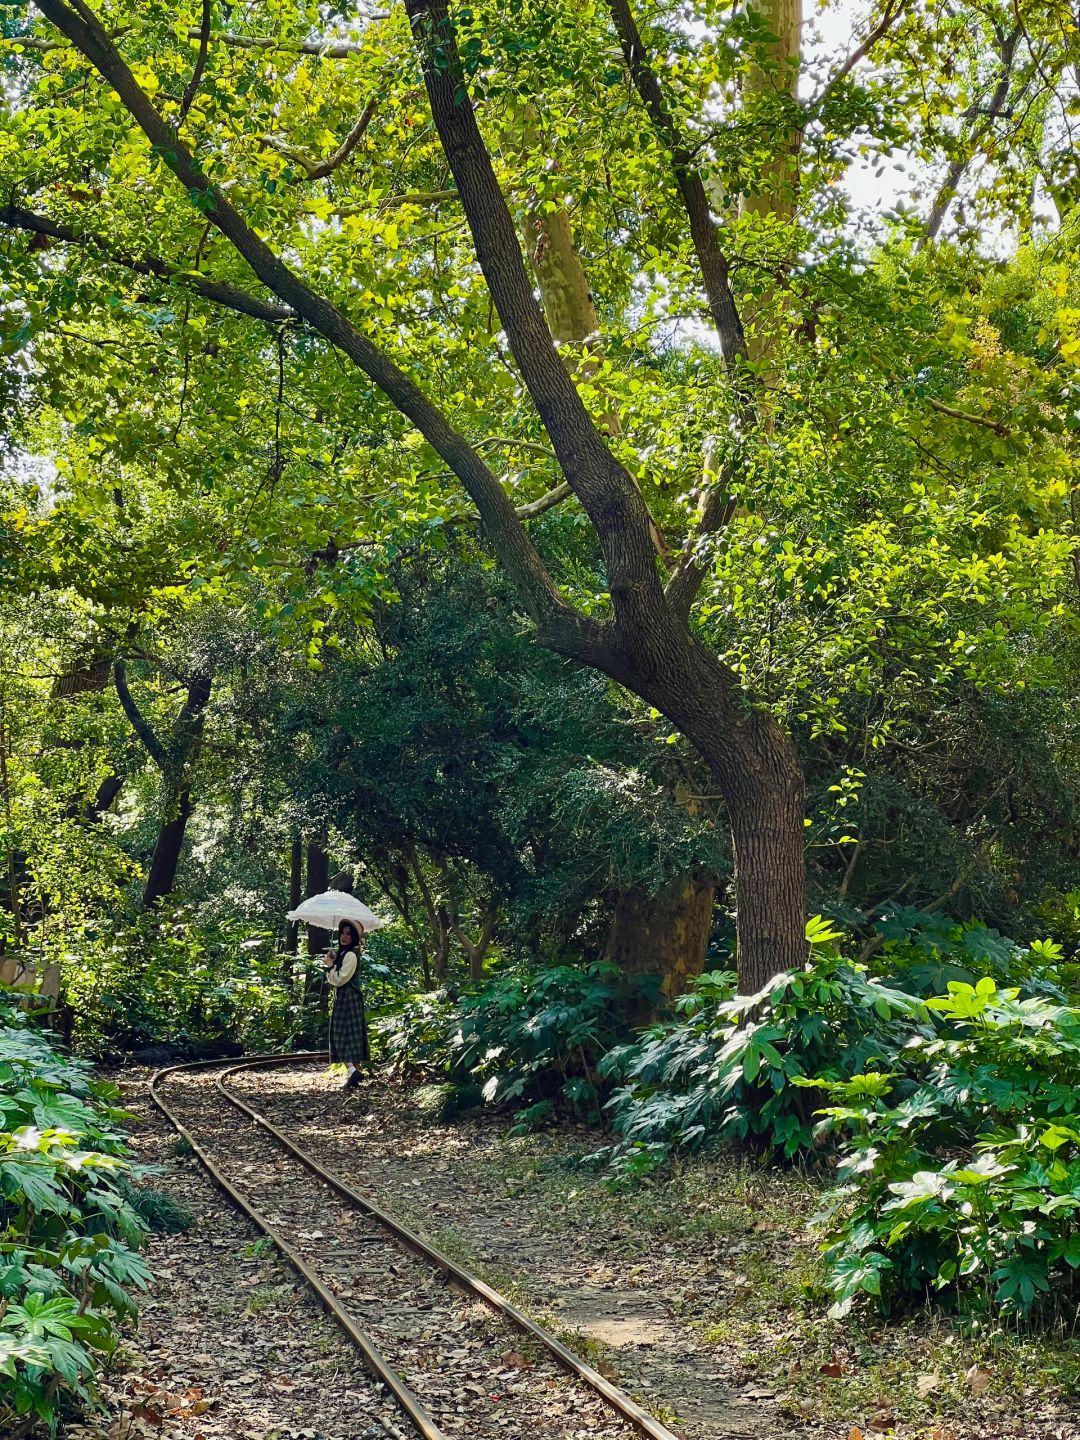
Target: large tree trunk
point(770, 884)
point(664, 934)
point(168, 849)
point(758, 774)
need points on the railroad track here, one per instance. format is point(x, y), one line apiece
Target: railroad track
point(444, 1343)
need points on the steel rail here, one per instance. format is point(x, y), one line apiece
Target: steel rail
point(373, 1358)
point(641, 1420)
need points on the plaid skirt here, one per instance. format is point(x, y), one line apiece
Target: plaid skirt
point(348, 1028)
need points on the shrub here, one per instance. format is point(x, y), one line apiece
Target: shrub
point(160, 1212)
point(68, 1234)
point(724, 1068)
point(168, 977)
point(961, 1170)
point(924, 953)
point(531, 1037)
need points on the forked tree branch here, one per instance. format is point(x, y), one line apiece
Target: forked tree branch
point(959, 167)
point(320, 169)
point(889, 17)
point(142, 727)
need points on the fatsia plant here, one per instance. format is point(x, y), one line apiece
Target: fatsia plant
point(69, 1267)
point(961, 1170)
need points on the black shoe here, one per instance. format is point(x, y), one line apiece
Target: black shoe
point(354, 1080)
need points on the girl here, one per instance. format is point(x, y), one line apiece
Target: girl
point(348, 1024)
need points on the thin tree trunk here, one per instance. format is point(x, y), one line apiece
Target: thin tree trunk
point(13, 901)
point(107, 792)
point(318, 880)
point(476, 950)
point(296, 884)
point(168, 849)
point(176, 761)
point(774, 193)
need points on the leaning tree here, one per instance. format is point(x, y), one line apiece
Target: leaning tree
point(679, 126)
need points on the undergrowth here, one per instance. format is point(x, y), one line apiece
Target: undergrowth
point(69, 1232)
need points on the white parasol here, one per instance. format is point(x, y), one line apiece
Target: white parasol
point(326, 911)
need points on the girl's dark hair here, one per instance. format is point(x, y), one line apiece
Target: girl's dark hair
point(354, 930)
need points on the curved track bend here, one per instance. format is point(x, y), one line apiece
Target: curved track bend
point(409, 1271)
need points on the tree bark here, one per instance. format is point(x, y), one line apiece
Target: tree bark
point(664, 934)
point(168, 849)
point(770, 884)
point(296, 884)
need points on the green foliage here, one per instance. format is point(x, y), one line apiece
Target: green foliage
point(172, 976)
point(727, 1068)
point(159, 1211)
point(68, 1231)
point(531, 1038)
point(924, 953)
point(961, 1168)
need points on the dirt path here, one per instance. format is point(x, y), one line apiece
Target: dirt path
point(474, 1373)
point(698, 1296)
point(428, 1175)
point(228, 1345)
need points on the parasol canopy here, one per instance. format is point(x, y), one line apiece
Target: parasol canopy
point(331, 907)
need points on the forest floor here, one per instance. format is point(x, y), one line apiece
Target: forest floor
point(699, 1293)
point(229, 1345)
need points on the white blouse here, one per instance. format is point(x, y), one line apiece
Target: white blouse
point(341, 974)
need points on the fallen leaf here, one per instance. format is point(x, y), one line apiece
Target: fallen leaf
point(941, 1432)
point(832, 1367)
point(883, 1419)
point(854, 1433)
point(977, 1379)
point(516, 1360)
point(925, 1383)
